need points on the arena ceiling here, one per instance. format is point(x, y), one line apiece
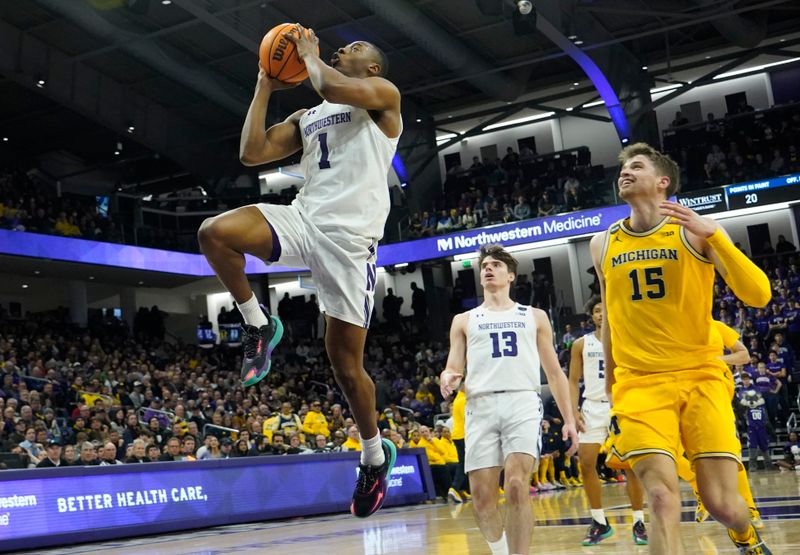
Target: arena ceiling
point(171, 80)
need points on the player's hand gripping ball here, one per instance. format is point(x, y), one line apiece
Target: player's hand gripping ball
point(278, 54)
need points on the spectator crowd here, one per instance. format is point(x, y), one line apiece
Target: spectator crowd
point(517, 187)
point(744, 146)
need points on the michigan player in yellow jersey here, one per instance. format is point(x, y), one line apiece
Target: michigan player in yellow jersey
point(738, 354)
point(668, 387)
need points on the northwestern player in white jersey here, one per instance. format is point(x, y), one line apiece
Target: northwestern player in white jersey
point(332, 227)
point(593, 419)
point(502, 344)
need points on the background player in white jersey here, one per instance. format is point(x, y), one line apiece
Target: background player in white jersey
point(593, 419)
point(332, 227)
point(502, 344)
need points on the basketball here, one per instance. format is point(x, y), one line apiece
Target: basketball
point(278, 55)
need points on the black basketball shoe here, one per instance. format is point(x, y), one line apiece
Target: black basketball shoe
point(373, 481)
point(258, 344)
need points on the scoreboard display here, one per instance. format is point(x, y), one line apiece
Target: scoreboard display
point(762, 193)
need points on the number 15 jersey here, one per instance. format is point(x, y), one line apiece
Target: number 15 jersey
point(346, 159)
point(659, 292)
point(502, 352)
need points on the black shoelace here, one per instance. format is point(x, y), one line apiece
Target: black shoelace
point(250, 341)
point(366, 478)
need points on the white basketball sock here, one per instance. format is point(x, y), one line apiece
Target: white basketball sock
point(599, 516)
point(500, 547)
point(372, 451)
point(252, 313)
point(638, 516)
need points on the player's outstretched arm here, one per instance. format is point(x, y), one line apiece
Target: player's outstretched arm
point(746, 280)
point(283, 139)
point(575, 375)
point(453, 373)
point(738, 355)
point(559, 386)
point(371, 93)
point(596, 247)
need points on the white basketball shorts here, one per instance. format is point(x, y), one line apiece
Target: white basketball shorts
point(498, 424)
point(342, 265)
point(596, 417)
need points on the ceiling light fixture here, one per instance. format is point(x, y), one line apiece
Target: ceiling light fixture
point(578, 42)
point(131, 129)
point(666, 88)
point(519, 120)
point(5, 139)
point(755, 68)
point(24, 285)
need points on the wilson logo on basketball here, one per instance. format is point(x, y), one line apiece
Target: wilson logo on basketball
point(280, 51)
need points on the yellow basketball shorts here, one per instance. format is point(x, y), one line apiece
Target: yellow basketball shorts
point(667, 412)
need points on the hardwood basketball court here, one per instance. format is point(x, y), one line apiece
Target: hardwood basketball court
point(561, 520)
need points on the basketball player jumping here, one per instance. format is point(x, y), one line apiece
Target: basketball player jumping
point(592, 419)
point(502, 344)
point(656, 271)
point(332, 227)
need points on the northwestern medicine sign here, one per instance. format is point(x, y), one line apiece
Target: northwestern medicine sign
point(719, 199)
point(516, 233)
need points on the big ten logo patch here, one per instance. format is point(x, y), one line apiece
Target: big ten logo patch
point(280, 51)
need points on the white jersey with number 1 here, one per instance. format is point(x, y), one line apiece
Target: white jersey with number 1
point(594, 379)
point(346, 160)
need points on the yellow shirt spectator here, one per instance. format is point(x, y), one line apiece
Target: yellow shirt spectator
point(269, 426)
point(423, 393)
point(459, 406)
point(315, 422)
point(447, 447)
point(353, 442)
point(422, 438)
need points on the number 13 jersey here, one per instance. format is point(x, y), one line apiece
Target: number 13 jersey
point(502, 353)
point(346, 159)
point(659, 293)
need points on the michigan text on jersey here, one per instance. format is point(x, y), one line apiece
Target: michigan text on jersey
point(644, 254)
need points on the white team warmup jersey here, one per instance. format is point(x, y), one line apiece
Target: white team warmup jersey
point(346, 160)
point(595, 409)
point(594, 379)
point(504, 412)
point(502, 354)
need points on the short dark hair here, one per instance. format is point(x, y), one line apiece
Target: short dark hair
point(381, 58)
point(499, 253)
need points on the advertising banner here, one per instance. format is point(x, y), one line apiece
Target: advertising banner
point(76, 504)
